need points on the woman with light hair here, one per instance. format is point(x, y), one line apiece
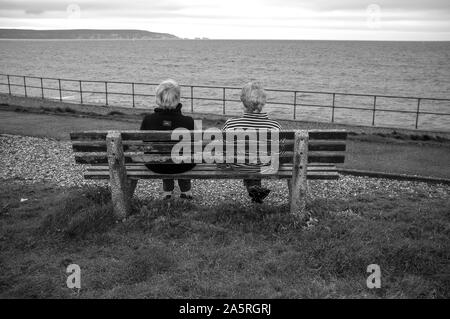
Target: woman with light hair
point(253, 97)
point(167, 116)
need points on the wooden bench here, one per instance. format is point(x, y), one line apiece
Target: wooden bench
point(120, 157)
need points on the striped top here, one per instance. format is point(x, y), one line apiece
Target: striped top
point(252, 120)
point(257, 121)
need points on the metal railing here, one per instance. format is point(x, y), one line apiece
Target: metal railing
point(294, 100)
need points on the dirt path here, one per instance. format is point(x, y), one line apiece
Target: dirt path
point(394, 157)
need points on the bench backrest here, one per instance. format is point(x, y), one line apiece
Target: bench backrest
point(91, 147)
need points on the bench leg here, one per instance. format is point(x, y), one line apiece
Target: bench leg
point(289, 185)
point(298, 183)
point(119, 183)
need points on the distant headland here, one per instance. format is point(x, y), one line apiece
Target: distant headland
point(87, 34)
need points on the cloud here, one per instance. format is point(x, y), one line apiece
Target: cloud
point(246, 15)
point(330, 5)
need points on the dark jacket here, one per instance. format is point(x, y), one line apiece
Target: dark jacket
point(168, 120)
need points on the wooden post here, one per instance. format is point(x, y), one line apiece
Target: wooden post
point(120, 187)
point(299, 185)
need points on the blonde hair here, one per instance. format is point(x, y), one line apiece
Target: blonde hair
point(253, 97)
point(168, 94)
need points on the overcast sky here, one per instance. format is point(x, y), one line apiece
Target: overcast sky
point(241, 19)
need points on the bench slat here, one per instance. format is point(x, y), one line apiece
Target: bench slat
point(166, 135)
point(159, 147)
point(313, 157)
point(211, 175)
point(209, 167)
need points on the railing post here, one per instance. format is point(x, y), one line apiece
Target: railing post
point(9, 85)
point(42, 89)
point(81, 93)
point(192, 99)
point(417, 112)
point(295, 104)
point(374, 108)
point(106, 92)
point(223, 96)
point(59, 86)
point(132, 93)
point(25, 86)
point(332, 111)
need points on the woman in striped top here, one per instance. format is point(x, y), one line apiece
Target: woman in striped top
point(253, 97)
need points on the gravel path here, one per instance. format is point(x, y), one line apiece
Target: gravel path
point(37, 160)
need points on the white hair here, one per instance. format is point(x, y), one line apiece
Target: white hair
point(253, 97)
point(168, 94)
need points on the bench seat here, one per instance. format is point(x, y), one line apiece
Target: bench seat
point(210, 171)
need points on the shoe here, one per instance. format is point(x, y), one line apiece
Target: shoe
point(167, 195)
point(185, 196)
point(258, 193)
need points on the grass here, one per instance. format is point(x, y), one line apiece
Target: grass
point(176, 249)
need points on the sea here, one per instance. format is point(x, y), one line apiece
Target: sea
point(401, 69)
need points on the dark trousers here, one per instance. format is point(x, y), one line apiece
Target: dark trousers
point(184, 184)
point(252, 182)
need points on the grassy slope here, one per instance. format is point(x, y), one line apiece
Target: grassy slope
point(177, 249)
point(372, 153)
